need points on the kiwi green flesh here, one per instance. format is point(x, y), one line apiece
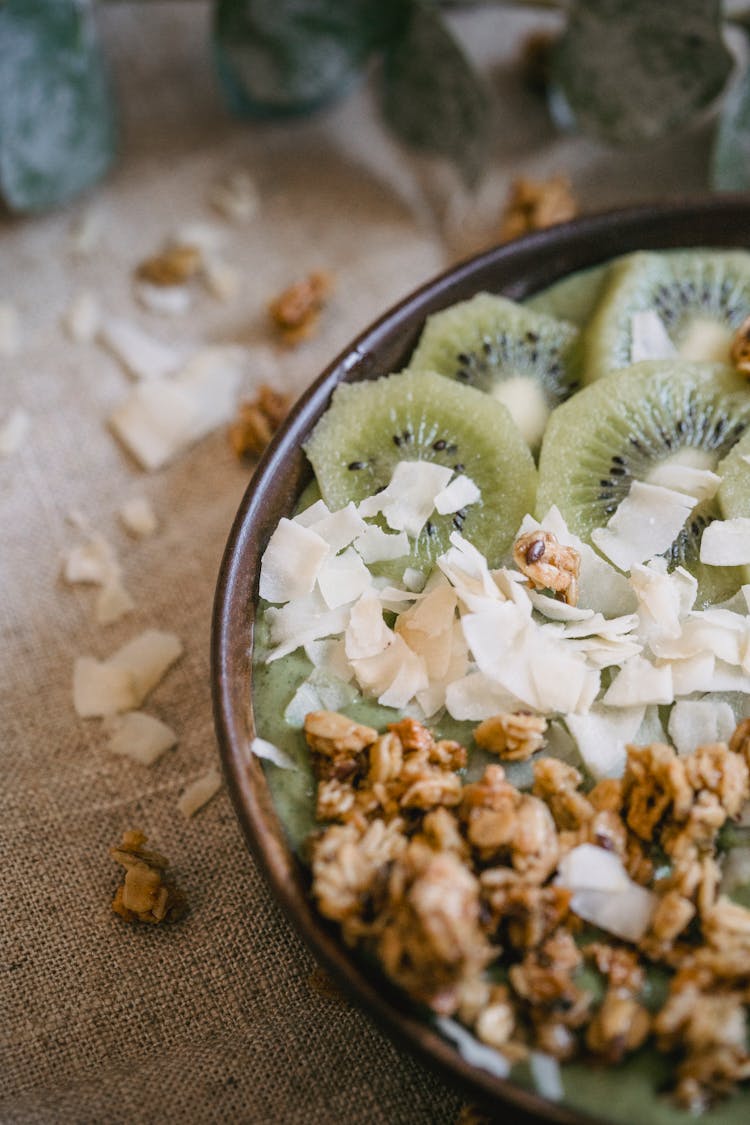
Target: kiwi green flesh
point(572, 298)
point(734, 491)
point(525, 359)
point(622, 427)
point(415, 415)
point(701, 298)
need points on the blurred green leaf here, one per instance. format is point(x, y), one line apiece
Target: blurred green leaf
point(730, 159)
point(289, 56)
point(432, 97)
point(57, 127)
point(632, 70)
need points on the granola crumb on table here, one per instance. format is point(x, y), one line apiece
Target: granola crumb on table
point(147, 894)
point(441, 881)
point(296, 311)
point(257, 421)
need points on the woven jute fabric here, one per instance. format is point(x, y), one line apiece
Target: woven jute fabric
point(220, 1017)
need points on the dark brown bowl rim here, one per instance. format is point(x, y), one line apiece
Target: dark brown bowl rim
point(516, 269)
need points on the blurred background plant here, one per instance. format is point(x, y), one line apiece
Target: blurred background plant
point(628, 72)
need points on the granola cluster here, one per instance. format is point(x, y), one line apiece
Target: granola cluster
point(257, 421)
point(453, 888)
point(147, 894)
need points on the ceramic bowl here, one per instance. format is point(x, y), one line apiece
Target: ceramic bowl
point(516, 270)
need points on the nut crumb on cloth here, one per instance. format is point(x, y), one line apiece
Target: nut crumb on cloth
point(537, 204)
point(257, 420)
point(439, 880)
point(295, 312)
point(147, 894)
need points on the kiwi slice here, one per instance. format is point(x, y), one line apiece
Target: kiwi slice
point(700, 296)
point(734, 491)
point(573, 298)
point(420, 416)
point(621, 428)
point(522, 358)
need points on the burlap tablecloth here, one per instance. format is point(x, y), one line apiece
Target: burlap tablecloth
point(220, 1018)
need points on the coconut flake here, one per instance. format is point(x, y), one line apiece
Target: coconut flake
point(413, 579)
point(93, 561)
point(726, 542)
point(471, 1050)
point(664, 600)
point(367, 633)
point(602, 735)
point(301, 622)
point(699, 722)
point(640, 682)
point(343, 578)
point(146, 659)
point(140, 736)
point(375, 545)
point(645, 524)
point(291, 562)
point(460, 493)
point(261, 748)
point(649, 337)
point(140, 354)
point(222, 280)
point(696, 673)
point(113, 602)
point(155, 423)
point(700, 483)
point(308, 516)
point(624, 908)
point(546, 1076)
point(236, 197)
point(14, 431)
point(199, 793)
point(101, 689)
point(555, 610)
point(340, 528)
point(409, 499)
point(475, 697)
point(165, 300)
point(82, 318)
point(138, 517)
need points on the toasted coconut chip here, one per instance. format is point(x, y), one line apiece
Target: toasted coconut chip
point(409, 499)
point(645, 524)
point(146, 659)
point(546, 1076)
point(261, 748)
point(700, 483)
point(726, 542)
point(343, 578)
point(602, 735)
point(664, 600)
point(140, 736)
point(367, 633)
point(291, 562)
point(199, 793)
point(394, 675)
point(604, 894)
point(82, 318)
point(640, 682)
point(101, 689)
point(236, 197)
point(649, 337)
point(162, 418)
point(340, 528)
point(313, 514)
point(471, 1050)
point(460, 493)
point(93, 561)
point(165, 300)
point(375, 545)
point(140, 354)
point(14, 431)
point(113, 602)
point(698, 722)
point(467, 571)
point(301, 622)
point(10, 329)
point(138, 517)
point(475, 697)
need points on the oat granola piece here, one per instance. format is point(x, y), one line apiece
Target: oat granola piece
point(433, 939)
point(740, 740)
point(296, 311)
point(507, 826)
point(257, 421)
point(336, 736)
point(740, 352)
point(147, 894)
point(525, 915)
point(537, 204)
point(619, 1026)
point(653, 785)
point(514, 736)
point(548, 564)
point(173, 266)
point(543, 980)
point(619, 964)
point(558, 784)
point(722, 772)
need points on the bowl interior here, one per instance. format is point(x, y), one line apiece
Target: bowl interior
point(516, 270)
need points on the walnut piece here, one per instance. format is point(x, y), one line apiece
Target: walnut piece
point(173, 266)
point(514, 737)
point(257, 421)
point(548, 565)
point(296, 311)
point(146, 895)
point(536, 204)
